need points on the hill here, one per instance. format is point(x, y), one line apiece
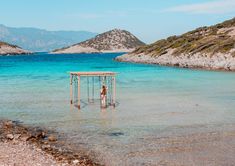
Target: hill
point(112, 41)
point(8, 49)
point(206, 47)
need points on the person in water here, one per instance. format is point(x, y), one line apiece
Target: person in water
point(103, 94)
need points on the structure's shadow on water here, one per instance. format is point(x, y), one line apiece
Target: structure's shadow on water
point(95, 102)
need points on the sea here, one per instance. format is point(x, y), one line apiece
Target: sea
point(152, 102)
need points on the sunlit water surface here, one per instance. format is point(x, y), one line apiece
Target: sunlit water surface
point(153, 101)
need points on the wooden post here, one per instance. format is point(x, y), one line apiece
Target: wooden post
point(88, 89)
point(114, 91)
point(100, 85)
point(106, 96)
point(71, 89)
point(79, 95)
point(93, 89)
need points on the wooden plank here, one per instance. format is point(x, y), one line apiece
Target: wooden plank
point(93, 73)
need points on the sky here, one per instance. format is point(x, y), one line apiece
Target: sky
point(150, 20)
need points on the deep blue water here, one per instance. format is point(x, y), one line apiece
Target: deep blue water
point(151, 100)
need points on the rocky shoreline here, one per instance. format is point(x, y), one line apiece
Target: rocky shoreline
point(211, 48)
point(219, 61)
point(42, 145)
point(15, 54)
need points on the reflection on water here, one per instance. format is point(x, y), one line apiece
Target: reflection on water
point(153, 102)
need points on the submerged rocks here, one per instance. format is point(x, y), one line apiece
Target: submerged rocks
point(46, 147)
point(52, 138)
point(8, 124)
point(41, 134)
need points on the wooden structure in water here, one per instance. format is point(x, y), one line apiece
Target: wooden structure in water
point(92, 79)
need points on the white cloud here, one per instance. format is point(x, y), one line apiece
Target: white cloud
point(213, 7)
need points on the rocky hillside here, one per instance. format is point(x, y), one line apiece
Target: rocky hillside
point(206, 47)
point(112, 41)
point(8, 49)
point(35, 39)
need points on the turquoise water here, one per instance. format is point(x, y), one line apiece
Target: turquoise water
point(152, 101)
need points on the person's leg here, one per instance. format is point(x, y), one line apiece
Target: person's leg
point(105, 101)
point(102, 100)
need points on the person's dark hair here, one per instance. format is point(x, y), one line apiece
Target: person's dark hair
point(104, 91)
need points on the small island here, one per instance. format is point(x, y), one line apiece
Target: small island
point(8, 49)
point(109, 42)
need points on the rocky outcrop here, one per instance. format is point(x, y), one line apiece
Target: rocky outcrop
point(207, 47)
point(112, 41)
point(8, 49)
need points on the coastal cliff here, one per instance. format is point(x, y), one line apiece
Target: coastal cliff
point(112, 41)
point(206, 47)
point(8, 49)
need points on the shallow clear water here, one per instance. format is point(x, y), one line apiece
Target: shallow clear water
point(152, 101)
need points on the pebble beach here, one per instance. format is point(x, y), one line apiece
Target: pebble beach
point(22, 145)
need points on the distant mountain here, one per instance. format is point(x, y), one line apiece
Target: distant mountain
point(8, 49)
point(42, 40)
point(112, 41)
point(206, 47)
